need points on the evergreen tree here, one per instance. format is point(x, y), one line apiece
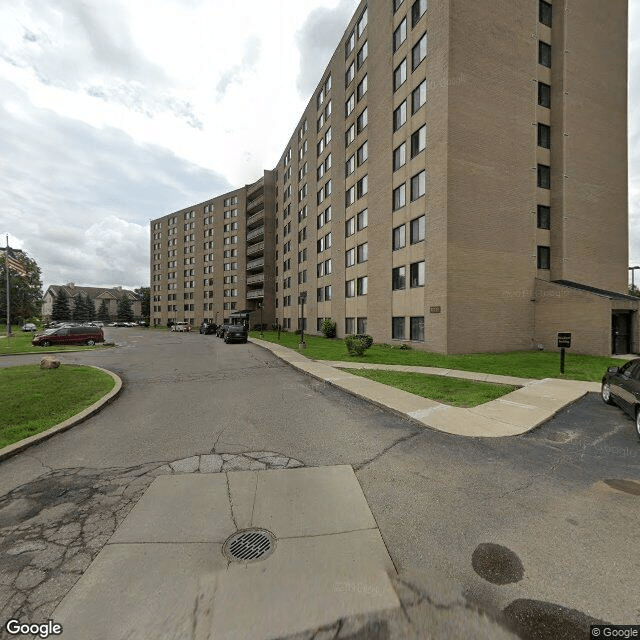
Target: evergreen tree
point(125, 312)
point(61, 310)
point(90, 307)
point(80, 310)
point(103, 312)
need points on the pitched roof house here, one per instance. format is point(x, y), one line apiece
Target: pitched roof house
point(95, 294)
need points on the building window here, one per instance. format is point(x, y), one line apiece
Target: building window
point(418, 9)
point(544, 95)
point(350, 165)
point(350, 135)
point(399, 239)
point(400, 116)
point(350, 74)
point(418, 229)
point(362, 121)
point(350, 43)
point(350, 289)
point(350, 257)
point(362, 54)
point(399, 197)
point(418, 185)
point(544, 217)
point(416, 274)
point(419, 52)
point(418, 96)
point(399, 156)
point(362, 325)
point(350, 196)
point(362, 22)
point(349, 326)
point(417, 328)
point(544, 135)
point(362, 186)
point(349, 227)
point(400, 35)
point(544, 257)
point(400, 75)
point(398, 278)
point(361, 89)
point(397, 4)
point(362, 153)
point(362, 220)
point(418, 140)
point(397, 328)
point(545, 13)
point(327, 293)
point(361, 289)
point(363, 252)
point(349, 105)
point(544, 176)
point(544, 54)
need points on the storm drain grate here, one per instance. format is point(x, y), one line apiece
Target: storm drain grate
point(249, 544)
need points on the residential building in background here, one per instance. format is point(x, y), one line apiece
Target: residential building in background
point(458, 182)
point(111, 297)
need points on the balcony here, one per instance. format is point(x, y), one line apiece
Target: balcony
point(253, 249)
point(255, 205)
point(257, 279)
point(257, 293)
point(255, 264)
point(256, 233)
point(255, 218)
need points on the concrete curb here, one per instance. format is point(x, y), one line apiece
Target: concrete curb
point(17, 447)
point(525, 409)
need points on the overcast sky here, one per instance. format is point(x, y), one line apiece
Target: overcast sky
point(114, 112)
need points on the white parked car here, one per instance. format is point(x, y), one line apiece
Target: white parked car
point(29, 326)
point(181, 326)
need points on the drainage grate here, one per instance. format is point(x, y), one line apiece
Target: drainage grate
point(249, 544)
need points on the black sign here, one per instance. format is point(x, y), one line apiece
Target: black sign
point(435, 309)
point(564, 340)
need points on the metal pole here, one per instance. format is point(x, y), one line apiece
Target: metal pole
point(562, 360)
point(6, 270)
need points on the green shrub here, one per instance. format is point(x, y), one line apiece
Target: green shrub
point(358, 344)
point(328, 328)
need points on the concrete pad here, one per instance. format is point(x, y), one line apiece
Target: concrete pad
point(310, 501)
point(465, 423)
point(138, 591)
point(512, 412)
point(180, 508)
point(305, 584)
point(242, 491)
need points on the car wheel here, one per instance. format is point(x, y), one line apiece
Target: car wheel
point(46, 343)
point(91, 342)
point(638, 422)
point(226, 340)
point(606, 393)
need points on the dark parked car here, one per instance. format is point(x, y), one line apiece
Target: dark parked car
point(69, 335)
point(235, 333)
point(621, 386)
point(208, 328)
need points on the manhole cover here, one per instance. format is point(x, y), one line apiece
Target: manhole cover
point(249, 544)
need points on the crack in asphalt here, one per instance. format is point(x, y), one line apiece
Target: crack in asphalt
point(362, 465)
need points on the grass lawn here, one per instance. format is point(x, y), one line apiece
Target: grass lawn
point(522, 364)
point(35, 399)
point(20, 342)
point(453, 391)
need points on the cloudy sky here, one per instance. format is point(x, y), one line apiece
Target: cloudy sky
point(112, 114)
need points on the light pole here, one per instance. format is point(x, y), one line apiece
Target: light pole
point(633, 271)
point(260, 306)
point(302, 298)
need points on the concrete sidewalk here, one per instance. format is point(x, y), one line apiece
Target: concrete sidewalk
point(535, 402)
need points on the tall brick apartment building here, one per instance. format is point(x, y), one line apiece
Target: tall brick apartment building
point(458, 181)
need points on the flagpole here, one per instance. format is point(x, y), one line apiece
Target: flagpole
point(6, 270)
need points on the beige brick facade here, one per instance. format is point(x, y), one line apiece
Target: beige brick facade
point(407, 202)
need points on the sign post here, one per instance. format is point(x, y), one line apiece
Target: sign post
point(564, 342)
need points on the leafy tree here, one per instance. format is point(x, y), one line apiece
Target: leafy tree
point(125, 312)
point(634, 291)
point(144, 293)
point(103, 312)
point(61, 310)
point(25, 291)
